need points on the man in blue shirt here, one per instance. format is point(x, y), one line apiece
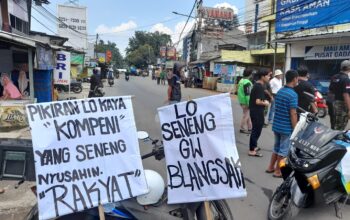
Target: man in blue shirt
point(286, 104)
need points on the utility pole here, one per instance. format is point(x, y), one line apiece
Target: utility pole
point(96, 46)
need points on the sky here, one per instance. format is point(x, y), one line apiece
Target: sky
point(124, 17)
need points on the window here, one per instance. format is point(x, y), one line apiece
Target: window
point(19, 24)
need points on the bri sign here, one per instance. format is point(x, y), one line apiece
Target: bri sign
point(328, 52)
point(62, 69)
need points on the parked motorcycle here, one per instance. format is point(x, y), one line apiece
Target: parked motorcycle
point(321, 104)
point(75, 87)
point(153, 205)
point(310, 171)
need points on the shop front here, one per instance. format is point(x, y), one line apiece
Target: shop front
point(320, 54)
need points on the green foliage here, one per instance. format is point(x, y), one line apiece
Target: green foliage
point(117, 58)
point(144, 48)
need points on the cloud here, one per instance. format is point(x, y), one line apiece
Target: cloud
point(120, 28)
point(161, 28)
point(227, 5)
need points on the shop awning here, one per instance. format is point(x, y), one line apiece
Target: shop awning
point(307, 37)
point(17, 39)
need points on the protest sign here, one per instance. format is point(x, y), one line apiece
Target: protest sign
point(86, 154)
point(200, 150)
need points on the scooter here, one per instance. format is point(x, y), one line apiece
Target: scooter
point(97, 92)
point(111, 82)
point(321, 104)
point(310, 171)
point(153, 205)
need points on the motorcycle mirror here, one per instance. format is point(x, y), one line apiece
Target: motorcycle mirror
point(142, 135)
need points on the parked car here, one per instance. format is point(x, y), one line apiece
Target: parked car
point(321, 85)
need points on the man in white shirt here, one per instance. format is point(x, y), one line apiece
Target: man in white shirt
point(276, 85)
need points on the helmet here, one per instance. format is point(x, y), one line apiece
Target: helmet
point(156, 185)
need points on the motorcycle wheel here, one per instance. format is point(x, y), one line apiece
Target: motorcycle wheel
point(322, 112)
point(77, 89)
point(221, 210)
point(281, 206)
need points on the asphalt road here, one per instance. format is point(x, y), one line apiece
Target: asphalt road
point(260, 185)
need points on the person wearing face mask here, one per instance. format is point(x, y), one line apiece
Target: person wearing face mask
point(339, 88)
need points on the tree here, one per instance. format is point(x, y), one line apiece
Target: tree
point(117, 58)
point(141, 57)
point(138, 43)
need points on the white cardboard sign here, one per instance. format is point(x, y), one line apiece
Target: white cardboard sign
point(200, 149)
point(86, 153)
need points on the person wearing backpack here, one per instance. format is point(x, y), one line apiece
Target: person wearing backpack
point(174, 86)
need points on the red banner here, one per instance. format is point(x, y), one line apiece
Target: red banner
point(108, 56)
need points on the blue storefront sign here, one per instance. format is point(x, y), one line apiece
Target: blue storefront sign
point(295, 15)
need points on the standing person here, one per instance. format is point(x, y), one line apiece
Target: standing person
point(158, 75)
point(257, 104)
point(340, 87)
point(162, 76)
point(243, 93)
point(284, 122)
point(276, 85)
point(305, 91)
point(174, 85)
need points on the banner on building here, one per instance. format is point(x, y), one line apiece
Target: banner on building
point(44, 58)
point(328, 52)
point(108, 56)
point(101, 57)
point(218, 13)
point(73, 25)
point(62, 69)
point(162, 52)
point(86, 154)
point(200, 148)
point(298, 15)
point(171, 53)
point(224, 69)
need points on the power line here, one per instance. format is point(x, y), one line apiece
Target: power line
point(188, 18)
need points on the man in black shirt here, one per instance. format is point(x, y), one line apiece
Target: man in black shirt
point(257, 104)
point(305, 91)
point(340, 88)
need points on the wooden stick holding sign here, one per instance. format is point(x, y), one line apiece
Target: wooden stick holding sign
point(101, 212)
point(208, 212)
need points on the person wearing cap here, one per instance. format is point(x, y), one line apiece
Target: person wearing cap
point(305, 90)
point(340, 88)
point(276, 85)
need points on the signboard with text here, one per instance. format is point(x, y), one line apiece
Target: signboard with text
point(328, 52)
point(200, 149)
point(218, 13)
point(73, 25)
point(295, 15)
point(61, 73)
point(86, 154)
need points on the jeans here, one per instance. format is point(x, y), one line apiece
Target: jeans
point(272, 111)
point(282, 142)
point(258, 124)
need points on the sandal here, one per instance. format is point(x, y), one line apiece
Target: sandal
point(269, 171)
point(257, 149)
point(277, 176)
point(244, 131)
point(255, 155)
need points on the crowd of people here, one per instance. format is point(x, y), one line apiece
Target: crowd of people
point(262, 96)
